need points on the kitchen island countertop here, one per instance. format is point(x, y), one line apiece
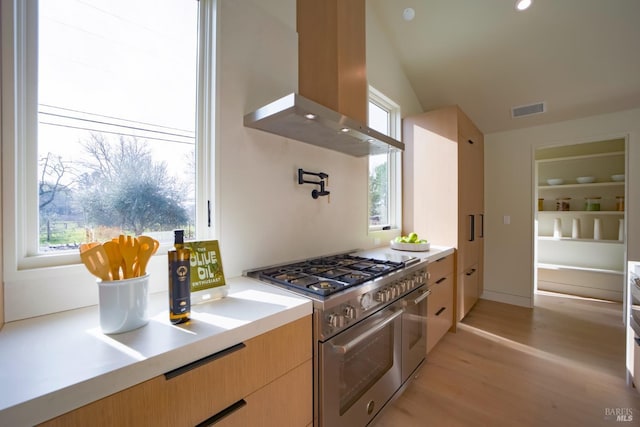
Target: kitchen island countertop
point(52, 364)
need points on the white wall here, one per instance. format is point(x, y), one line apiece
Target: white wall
point(509, 186)
point(262, 215)
point(265, 217)
point(384, 71)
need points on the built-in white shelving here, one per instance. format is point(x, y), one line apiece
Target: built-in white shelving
point(581, 265)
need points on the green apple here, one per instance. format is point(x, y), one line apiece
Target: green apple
point(413, 237)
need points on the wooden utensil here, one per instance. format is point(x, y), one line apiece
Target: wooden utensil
point(86, 246)
point(97, 262)
point(129, 250)
point(115, 258)
point(148, 247)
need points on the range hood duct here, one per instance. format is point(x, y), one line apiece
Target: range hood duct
point(330, 108)
point(299, 118)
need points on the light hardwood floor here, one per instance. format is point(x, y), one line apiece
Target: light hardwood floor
point(561, 363)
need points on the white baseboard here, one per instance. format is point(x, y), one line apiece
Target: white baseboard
point(507, 298)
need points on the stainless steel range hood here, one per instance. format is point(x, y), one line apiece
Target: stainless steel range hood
point(299, 118)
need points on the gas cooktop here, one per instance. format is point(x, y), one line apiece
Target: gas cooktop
point(328, 275)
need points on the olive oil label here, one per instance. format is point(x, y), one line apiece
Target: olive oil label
point(206, 265)
point(181, 294)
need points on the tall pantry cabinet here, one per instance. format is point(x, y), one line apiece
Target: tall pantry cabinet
point(443, 198)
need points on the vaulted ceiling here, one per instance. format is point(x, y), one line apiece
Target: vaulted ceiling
point(580, 57)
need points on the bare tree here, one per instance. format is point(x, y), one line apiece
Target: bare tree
point(53, 171)
point(124, 187)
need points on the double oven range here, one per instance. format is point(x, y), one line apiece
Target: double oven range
point(369, 328)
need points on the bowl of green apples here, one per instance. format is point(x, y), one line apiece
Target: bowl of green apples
point(410, 242)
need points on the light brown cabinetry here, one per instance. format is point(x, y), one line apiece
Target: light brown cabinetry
point(142, 404)
point(239, 383)
point(444, 191)
point(440, 305)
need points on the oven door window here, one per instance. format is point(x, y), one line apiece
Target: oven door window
point(357, 361)
point(363, 366)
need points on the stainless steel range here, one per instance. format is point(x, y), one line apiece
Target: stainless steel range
point(369, 328)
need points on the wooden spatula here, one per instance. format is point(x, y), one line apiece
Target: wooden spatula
point(115, 258)
point(97, 262)
point(86, 246)
point(148, 247)
point(129, 250)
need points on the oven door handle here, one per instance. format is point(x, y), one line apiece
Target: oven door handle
point(422, 297)
point(347, 347)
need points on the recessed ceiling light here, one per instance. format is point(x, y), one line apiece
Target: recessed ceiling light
point(523, 4)
point(310, 116)
point(408, 14)
point(344, 130)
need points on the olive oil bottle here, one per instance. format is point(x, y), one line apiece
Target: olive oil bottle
point(179, 280)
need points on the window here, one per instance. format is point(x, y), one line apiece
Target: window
point(384, 169)
point(110, 111)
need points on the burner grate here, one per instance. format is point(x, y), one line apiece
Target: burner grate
point(327, 275)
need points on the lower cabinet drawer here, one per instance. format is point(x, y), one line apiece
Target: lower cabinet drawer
point(198, 392)
point(285, 402)
point(440, 268)
point(470, 291)
point(439, 310)
point(142, 404)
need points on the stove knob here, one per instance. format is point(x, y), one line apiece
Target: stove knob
point(403, 286)
point(366, 302)
point(393, 291)
point(349, 312)
point(380, 297)
point(336, 320)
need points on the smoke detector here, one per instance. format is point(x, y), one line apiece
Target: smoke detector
point(529, 110)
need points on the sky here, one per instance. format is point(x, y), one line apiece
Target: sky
point(148, 47)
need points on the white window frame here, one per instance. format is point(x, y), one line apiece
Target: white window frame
point(35, 283)
point(394, 163)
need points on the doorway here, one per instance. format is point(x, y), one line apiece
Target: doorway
point(580, 220)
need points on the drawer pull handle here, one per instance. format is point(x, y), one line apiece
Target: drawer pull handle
point(439, 312)
point(220, 415)
point(186, 368)
point(441, 259)
point(440, 280)
point(472, 228)
point(473, 270)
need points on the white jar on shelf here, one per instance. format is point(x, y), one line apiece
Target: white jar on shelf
point(575, 229)
point(597, 228)
point(557, 228)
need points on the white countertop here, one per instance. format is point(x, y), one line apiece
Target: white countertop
point(52, 364)
point(434, 253)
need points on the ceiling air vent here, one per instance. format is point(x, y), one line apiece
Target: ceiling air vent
point(528, 110)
